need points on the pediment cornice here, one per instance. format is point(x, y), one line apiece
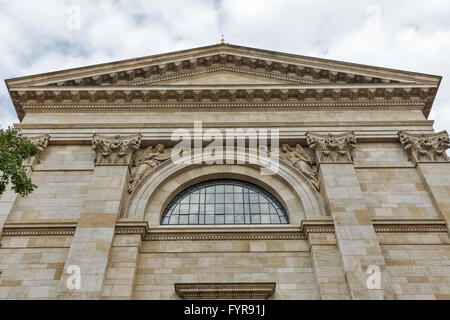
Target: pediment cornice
point(152, 69)
point(209, 96)
point(148, 80)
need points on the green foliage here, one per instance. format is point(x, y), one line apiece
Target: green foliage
point(13, 150)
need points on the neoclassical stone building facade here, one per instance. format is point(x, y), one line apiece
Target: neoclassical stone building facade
point(358, 208)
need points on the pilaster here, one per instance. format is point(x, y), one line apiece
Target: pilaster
point(355, 235)
point(92, 242)
point(8, 198)
point(428, 152)
point(122, 267)
point(327, 265)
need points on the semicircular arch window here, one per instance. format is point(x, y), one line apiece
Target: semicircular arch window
point(224, 201)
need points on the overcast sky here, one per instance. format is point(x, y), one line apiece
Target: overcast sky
point(43, 36)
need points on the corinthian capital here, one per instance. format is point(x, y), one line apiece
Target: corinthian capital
point(332, 148)
point(425, 147)
point(41, 142)
point(115, 150)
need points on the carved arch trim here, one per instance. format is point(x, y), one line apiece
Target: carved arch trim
point(301, 187)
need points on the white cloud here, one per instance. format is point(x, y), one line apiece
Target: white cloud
point(404, 34)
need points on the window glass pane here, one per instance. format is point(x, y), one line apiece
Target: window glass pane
point(210, 198)
point(209, 209)
point(193, 208)
point(224, 202)
point(209, 219)
point(220, 219)
point(183, 219)
point(220, 208)
point(229, 198)
point(184, 209)
point(229, 208)
point(264, 207)
point(220, 198)
point(254, 207)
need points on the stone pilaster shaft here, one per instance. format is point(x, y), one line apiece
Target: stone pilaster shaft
point(355, 235)
point(92, 242)
point(9, 197)
point(122, 268)
point(328, 268)
point(428, 152)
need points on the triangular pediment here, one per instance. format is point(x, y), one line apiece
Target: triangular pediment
point(253, 66)
point(221, 73)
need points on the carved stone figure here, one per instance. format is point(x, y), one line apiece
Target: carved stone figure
point(300, 160)
point(117, 150)
point(332, 148)
point(425, 147)
point(147, 161)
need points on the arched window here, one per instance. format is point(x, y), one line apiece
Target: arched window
point(224, 202)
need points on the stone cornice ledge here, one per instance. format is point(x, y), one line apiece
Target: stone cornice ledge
point(193, 233)
point(385, 225)
point(262, 290)
point(25, 229)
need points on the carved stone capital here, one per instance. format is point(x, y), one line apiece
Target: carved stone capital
point(115, 150)
point(41, 142)
point(425, 147)
point(332, 148)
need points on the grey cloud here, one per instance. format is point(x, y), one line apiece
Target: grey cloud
point(409, 35)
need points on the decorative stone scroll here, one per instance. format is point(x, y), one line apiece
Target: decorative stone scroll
point(115, 150)
point(145, 161)
point(299, 159)
point(425, 147)
point(332, 148)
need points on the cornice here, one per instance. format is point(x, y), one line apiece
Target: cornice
point(232, 96)
point(39, 229)
point(384, 225)
point(224, 54)
point(268, 67)
point(224, 233)
point(252, 290)
point(139, 73)
point(262, 124)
